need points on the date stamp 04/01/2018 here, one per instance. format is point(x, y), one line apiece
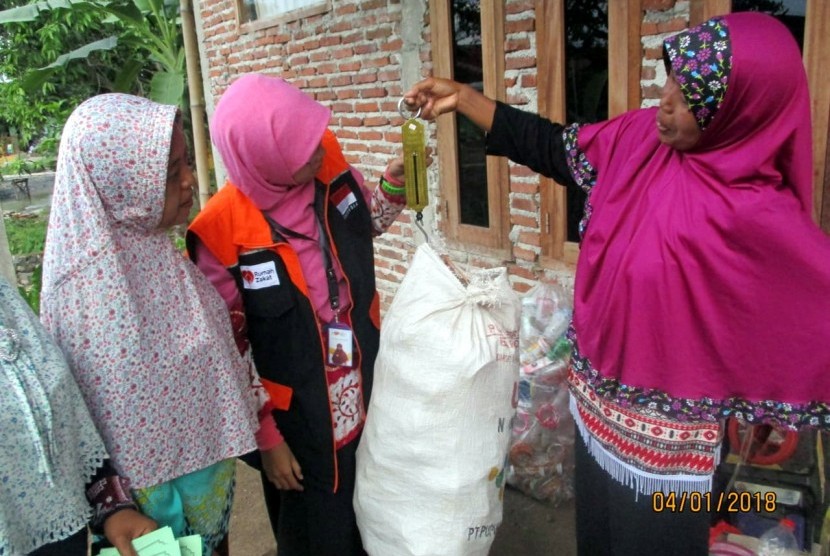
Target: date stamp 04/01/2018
point(724, 502)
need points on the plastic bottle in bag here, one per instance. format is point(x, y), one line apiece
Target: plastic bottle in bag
point(779, 540)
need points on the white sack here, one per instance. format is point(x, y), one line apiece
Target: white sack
point(431, 462)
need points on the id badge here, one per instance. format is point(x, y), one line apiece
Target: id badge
point(339, 347)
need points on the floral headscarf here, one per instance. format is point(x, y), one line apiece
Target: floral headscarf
point(146, 335)
point(701, 60)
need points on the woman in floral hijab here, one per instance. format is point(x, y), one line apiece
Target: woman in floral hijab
point(146, 336)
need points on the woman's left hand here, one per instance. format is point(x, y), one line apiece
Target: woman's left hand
point(125, 525)
point(395, 169)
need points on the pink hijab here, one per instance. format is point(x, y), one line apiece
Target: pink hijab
point(266, 129)
point(146, 335)
point(702, 274)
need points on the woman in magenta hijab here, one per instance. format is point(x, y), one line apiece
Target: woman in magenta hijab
point(703, 285)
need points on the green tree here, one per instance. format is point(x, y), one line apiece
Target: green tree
point(55, 54)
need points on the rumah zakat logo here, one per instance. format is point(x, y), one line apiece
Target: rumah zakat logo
point(262, 275)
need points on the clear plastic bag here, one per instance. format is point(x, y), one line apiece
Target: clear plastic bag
point(541, 452)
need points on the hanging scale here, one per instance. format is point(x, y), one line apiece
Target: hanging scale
point(414, 164)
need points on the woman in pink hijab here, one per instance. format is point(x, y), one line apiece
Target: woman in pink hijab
point(288, 243)
point(703, 285)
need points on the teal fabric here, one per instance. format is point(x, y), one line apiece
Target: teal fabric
point(198, 503)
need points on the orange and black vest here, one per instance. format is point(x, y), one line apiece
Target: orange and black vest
point(285, 334)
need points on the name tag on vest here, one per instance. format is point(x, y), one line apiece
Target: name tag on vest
point(263, 275)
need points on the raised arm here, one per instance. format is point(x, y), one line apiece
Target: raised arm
point(523, 137)
point(436, 96)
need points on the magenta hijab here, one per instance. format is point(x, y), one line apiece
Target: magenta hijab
point(702, 276)
point(265, 130)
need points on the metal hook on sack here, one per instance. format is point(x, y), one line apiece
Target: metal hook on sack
point(402, 105)
point(419, 222)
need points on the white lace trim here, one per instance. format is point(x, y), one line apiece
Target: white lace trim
point(638, 480)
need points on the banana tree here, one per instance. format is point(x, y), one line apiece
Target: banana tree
point(149, 28)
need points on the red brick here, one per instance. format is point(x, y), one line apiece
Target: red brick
point(347, 66)
point(513, 8)
point(351, 38)
point(342, 27)
point(524, 188)
point(362, 78)
point(372, 5)
point(522, 220)
point(341, 107)
point(366, 107)
point(375, 121)
point(340, 81)
point(528, 81)
point(518, 44)
point(382, 32)
point(521, 171)
point(374, 92)
point(355, 147)
point(519, 26)
point(523, 254)
point(351, 121)
point(648, 28)
point(347, 93)
point(390, 75)
point(520, 62)
point(343, 53)
point(345, 10)
point(343, 134)
point(652, 91)
point(530, 238)
point(393, 45)
point(376, 62)
point(523, 204)
point(672, 26)
point(370, 135)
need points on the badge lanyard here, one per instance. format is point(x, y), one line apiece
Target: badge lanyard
point(338, 335)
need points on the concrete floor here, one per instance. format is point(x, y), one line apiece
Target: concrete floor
point(529, 527)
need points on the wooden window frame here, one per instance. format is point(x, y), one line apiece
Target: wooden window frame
point(625, 55)
point(249, 26)
point(465, 236)
point(816, 52)
point(701, 10)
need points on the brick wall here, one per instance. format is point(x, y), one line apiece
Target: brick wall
point(351, 59)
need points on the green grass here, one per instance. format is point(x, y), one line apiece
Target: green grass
point(27, 234)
